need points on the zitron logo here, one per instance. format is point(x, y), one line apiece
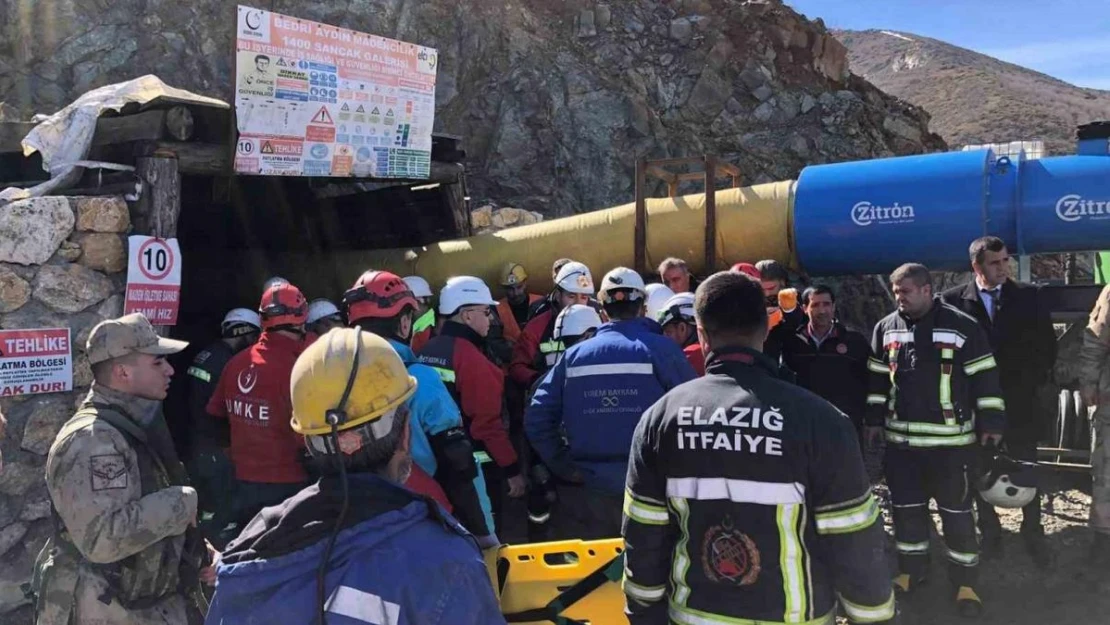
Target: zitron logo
point(866, 213)
point(1074, 207)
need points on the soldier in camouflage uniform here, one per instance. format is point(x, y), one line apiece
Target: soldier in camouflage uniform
point(1094, 377)
point(124, 517)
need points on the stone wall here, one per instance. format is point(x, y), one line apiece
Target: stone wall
point(62, 264)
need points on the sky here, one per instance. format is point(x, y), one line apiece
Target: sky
point(1069, 39)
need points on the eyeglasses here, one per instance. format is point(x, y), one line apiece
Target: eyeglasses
point(486, 312)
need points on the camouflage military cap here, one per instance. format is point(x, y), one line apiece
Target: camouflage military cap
point(129, 334)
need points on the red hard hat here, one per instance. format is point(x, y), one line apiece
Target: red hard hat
point(378, 295)
point(283, 305)
point(747, 269)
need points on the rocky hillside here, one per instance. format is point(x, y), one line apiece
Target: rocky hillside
point(974, 98)
point(555, 100)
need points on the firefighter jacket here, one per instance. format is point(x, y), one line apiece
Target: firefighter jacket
point(204, 373)
point(596, 393)
point(934, 380)
point(747, 502)
point(432, 411)
point(398, 559)
point(477, 385)
point(508, 316)
point(535, 352)
point(253, 394)
point(835, 368)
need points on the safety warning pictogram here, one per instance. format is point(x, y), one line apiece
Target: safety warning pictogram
point(360, 109)
point(323, 117)
point(346, 107)
point(267, 147)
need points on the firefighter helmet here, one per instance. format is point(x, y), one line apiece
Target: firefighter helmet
point(574, 321)
point(513, 274)
point(574, 277)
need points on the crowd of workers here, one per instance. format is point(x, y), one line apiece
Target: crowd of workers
point(717, 428)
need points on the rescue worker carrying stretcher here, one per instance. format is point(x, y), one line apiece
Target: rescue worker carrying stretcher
point(934, 385)
point(747, 500)
point(380, 302)
point(355, 547)
point(574, 324)
point(597, 392)
point(475, 383)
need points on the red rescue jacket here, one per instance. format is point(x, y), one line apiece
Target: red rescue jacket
point(477, 386)
point(253, 393)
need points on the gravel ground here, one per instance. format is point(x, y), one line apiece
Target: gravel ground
point(1014, 591)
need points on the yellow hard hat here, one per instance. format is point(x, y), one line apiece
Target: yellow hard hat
point(513, 274)
point(349, 362)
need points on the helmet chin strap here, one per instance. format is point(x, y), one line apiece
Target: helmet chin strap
point(336, 417)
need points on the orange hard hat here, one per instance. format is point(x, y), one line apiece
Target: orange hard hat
point(282, 305)
point(378, 295)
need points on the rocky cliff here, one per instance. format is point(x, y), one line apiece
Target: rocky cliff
point(555, 100)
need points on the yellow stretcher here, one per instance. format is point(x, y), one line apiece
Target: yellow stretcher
point(568, 582)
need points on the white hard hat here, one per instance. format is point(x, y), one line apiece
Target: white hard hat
point(320, 308)
point(1009, 483)
point(237, 316)
point(678, 308)
point(464, 291)
point(419, 286)
point(574, 277)
point(574, 321)
point(657, 296)
point(621, 279)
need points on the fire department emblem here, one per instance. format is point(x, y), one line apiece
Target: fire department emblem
point(729, 556)
point(583, 281)
point(841, 349)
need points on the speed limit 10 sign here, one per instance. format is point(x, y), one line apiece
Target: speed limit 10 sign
point(154, 279)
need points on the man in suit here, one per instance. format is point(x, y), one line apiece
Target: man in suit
point(1020, 332)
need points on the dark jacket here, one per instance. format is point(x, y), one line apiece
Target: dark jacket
point(398, 558)
point(204, 375)
point(934, 380)
point(477, 385)
point(747, 499)
point(1021, 337)
point(837, 370)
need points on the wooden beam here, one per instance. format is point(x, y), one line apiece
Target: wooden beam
point(639, 243)
point(159, 205)
point(146, 126)
point(661, 174)
point(727, 168)
point(710, 215)
point(194, 159)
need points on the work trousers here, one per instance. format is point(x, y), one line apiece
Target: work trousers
point(916, 475)
point(1020, 444)
point(586, 514)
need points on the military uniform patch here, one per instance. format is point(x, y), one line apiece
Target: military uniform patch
point(108, 472)
point(729, 556)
